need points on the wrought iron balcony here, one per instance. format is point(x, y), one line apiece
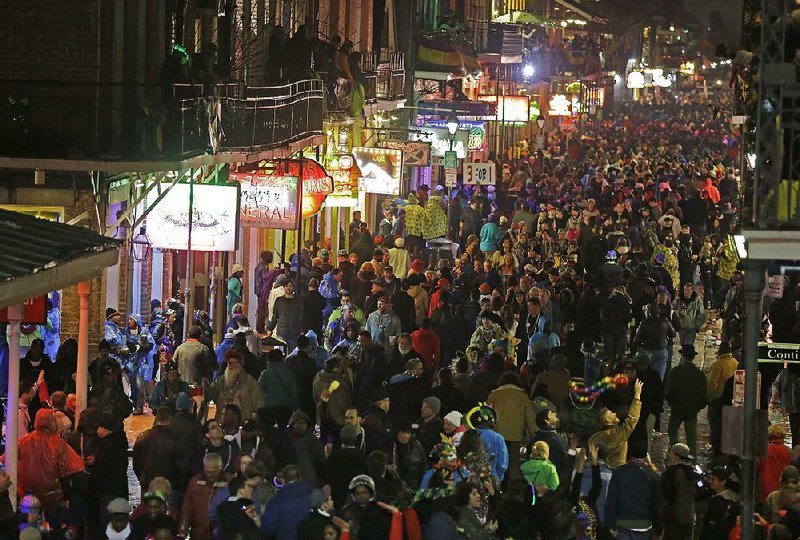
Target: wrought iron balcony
point(87, 121)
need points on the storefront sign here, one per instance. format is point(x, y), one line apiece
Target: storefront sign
point(34, 311)
point(415, 153)
point(774, 286)
point(479, 174)
point(440, 141)
point(345, 172)
point(476, 129)
point(381, 169)
point(215, 221)
point(268, 201)
point(560, 105)
point(509, 108)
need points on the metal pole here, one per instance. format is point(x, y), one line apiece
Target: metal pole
point(298, 288)
point(188, 296)
point(753, 293)
point(12, 431)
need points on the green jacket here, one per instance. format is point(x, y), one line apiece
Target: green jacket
point(540, 472)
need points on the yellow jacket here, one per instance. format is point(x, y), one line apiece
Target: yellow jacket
point(720, 371)
point(615, 438)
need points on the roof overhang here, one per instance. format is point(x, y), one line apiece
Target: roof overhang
point(84, 268)
point(120, 166)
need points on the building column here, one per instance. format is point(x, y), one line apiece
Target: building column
point(753, 297)
point(82, 372)
point(12, 429)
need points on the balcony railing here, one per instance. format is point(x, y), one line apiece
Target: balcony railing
point(107, 122)
point(261, 118)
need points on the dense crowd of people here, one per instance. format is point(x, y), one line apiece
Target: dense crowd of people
point(509, 390)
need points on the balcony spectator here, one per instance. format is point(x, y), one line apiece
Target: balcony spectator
point(276, 56)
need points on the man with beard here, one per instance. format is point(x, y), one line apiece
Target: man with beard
point(235, 386)
point(401, 355)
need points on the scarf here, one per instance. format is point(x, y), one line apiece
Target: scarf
point(111, 534)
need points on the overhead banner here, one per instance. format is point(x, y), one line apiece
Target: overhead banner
point(215, 221)
point(415, 153)
point(268, 201)
point(476, 129)
point(440, 141)
point(381, 169)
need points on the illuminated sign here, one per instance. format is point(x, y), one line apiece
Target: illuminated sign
point(535, 112)
point(415, 153)
point(687, 68)
point(476, 129)
point(345, 173)
point(509, 108)
point(268, 201)
point(215, 218)
point(560, 105)
point(658, 78)
point(381, 169)
point(635, 79)
point(440, 141)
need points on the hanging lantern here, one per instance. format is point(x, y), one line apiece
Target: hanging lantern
point(140, 246)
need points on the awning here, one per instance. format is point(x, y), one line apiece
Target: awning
point(576, 7)
point(525, 17)
point(39, 256)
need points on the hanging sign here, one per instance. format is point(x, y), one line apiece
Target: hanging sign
point(479, 174)
point(774, 287)
point(440, 141)
point(215, 217)
point(268, 201)
point(415, 153)
point(381, 169)
point(344, 171)
point(476, 129)
point(450, 177)
point(34, 311)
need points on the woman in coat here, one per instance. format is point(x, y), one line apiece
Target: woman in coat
point(286, 315)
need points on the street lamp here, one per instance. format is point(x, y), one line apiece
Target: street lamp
point(540, 122)
point(140, 246)
point(452, 125)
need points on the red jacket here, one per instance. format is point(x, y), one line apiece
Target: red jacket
point(770, 468)
point(427, 344)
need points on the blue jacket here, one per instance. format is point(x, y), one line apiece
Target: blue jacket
point(277, 384)
point(634, 494)
point(285, 511)
point(496, 452)
point(222, 348)
point(490, 236)
point(141, 361)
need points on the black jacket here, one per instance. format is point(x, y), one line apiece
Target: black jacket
point(634, 494)
point(157, 452)
point(311, 319)
point(341, 467)
point(679, 488)
point(653, 333)
point(109, 472)
point(686, 389)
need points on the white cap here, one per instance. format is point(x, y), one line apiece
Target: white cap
point(454, 417)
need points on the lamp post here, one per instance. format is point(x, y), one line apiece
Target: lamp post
point(452, 128)
point(140, 246)
point(540, 123)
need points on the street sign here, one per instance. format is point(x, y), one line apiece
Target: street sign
point(479, 174)
point(450, 177)
point(738, 389)
point(34, 311)
point(778, 353)
point(450, 159)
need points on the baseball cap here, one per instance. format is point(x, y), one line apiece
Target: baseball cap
point(682, 451)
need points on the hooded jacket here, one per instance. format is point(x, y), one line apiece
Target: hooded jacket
point(285, 511)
